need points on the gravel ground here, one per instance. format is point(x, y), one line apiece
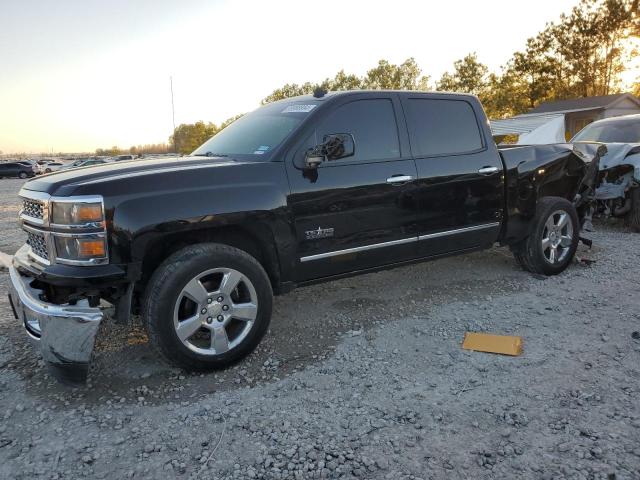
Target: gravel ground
point(358, 378)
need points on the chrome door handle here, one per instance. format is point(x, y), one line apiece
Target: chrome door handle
point(488, 170)
point(397, 179)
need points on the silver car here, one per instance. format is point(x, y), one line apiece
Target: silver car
point(618, 193)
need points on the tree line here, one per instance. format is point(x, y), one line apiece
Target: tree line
point(583, 54)
point(152, 148)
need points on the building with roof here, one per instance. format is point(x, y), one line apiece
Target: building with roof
point(562, 119)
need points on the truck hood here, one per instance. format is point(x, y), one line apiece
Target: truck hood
point(68, 182)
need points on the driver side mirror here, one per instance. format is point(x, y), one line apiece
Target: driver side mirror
point(334, 147)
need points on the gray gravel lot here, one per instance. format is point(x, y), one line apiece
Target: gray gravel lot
point(358, 378)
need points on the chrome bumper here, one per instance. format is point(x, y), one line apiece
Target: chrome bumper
point(65, 334)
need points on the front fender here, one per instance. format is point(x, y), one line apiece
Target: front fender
point(143, 211)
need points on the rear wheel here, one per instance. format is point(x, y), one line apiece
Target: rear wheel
point(553, 240)
point(633, 217)
point(207, 306)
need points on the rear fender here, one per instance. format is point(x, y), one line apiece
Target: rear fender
point(535, 172)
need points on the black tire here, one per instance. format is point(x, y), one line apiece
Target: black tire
point(23, 175)
point(633, 217)
point(48, 170)
point(167, 283)
point(529, 253)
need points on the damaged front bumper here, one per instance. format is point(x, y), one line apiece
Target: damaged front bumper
point(64, 334)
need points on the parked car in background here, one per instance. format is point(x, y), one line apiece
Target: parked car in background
point(49, 167)
point(17, 170)
point(84, 162)
point(120, 158)
point(618, 194)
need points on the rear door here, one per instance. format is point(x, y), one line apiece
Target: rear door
point(460, 186)
point(357, 212)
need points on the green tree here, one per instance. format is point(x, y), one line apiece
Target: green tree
point(582, 55)
point(189, 136)
point(287, 91)
point(153, 148)
point(505, 95)
point(405, 76)
point(469, 76)
point(387, 76)
point(590, 41)
point(109, 152)
point(538, 68)
point(344, 81)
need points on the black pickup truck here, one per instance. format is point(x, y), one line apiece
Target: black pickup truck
point(302, 190)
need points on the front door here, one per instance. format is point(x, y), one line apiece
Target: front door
point(460, 186)
point(357, 212)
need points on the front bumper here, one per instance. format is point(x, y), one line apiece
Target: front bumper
point(64, 334)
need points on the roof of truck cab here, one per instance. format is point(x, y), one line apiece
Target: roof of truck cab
point(343, 93)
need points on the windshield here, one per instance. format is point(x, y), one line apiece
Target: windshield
point(257, 134)
point(610, 132)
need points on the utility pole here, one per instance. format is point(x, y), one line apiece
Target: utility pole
point(173, 116)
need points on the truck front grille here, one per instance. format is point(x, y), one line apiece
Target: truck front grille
point(32, 208)
point(38, 244)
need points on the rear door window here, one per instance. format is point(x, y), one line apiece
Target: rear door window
point(373, 125)
point(442, 127)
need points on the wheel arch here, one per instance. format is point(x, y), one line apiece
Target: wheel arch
point(535, 173)
point(256, 240)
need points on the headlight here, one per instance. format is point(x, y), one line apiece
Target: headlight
point(77, 213)
point(78, 230)
point(76, 248)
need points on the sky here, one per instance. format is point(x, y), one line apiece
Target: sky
point(76, 75)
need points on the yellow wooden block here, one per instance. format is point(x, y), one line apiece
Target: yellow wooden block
point(486, 342)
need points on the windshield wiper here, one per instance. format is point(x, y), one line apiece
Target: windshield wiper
point(210, 154)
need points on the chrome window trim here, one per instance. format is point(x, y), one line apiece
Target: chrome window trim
point(418, 238)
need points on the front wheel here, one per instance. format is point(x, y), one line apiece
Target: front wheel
point(553, 240)
point(207, 306)
point(23, 175)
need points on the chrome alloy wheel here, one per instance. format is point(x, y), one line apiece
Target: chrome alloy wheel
point(557, 237)
point(215, 311)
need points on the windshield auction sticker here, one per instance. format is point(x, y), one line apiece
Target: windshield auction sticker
point(298, 108)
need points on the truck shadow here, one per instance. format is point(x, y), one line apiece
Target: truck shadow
point(307, 324)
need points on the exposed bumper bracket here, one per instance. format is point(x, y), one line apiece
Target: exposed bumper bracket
point(64, 334)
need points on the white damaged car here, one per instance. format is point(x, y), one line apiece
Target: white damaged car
point(618, 193)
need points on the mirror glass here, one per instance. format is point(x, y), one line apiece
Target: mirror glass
point(338, 145)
